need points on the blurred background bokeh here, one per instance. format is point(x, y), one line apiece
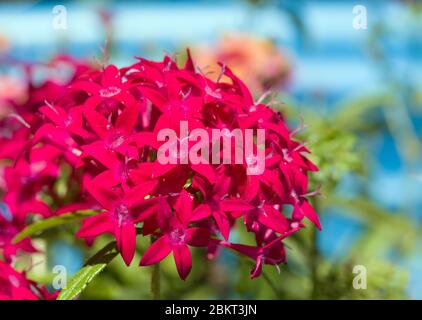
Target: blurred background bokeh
point(357, 91)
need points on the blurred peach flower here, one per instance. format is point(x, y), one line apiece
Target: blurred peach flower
point(4, 44)
point(258, 62)
point(11, 90)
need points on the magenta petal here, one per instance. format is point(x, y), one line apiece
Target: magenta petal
point(159, 169)
point(201, 212)
point(256, 271)
point(55, 136)
point(184, 207)
point(143, 139)
point(53, 115)
point(235, 205)
point(106, 179)
point(104, 196)
point(206, 170)
point(201, 185)
point(127, 119)
point(282, 131)
point(93, 102)
point(37, 206)
point(154, 96)
point(252, 188)
point(97, 122)
point(98, 151)
point(198, 237)
point(183, 260)
point(301, 180)
point(87, 86)
point(249, 251)
point(137, 194)
point(96, 225)
point(273, 219)
point(125, 233)
point(189, 64)
point(310, 213)
point(309, 164)
point(111, 76)
point(158, 250)
point(165, 217)
point(274, 179)
point(223, 224)
point(222, 186)
point(145, 210)
point(242, 87)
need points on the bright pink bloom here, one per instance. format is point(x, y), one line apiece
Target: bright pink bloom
point(176, 235)
point(16, 286)
point(107, 89)
point(123, 211)
point(216, 204)
point(269, 249)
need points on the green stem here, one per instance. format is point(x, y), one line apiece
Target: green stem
point(272, 286)
point(155, 281)
point(314, 256)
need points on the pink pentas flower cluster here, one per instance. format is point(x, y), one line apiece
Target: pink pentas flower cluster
point(24, 179)
point(106, 126)
point(15, 285)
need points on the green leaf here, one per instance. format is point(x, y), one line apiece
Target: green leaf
point(44, 224)
point(89, 271)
